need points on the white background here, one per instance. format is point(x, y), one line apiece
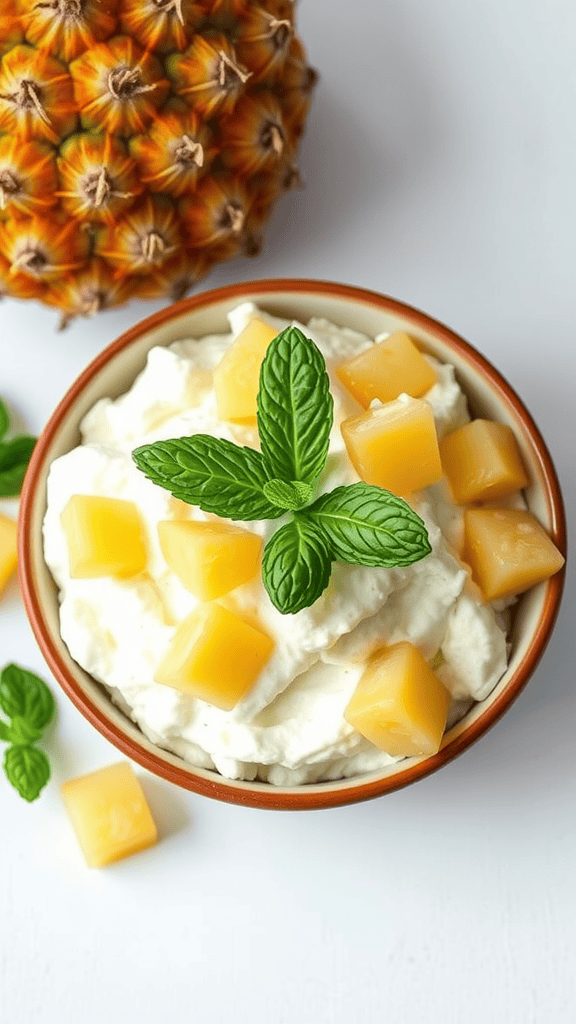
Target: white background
point(440, 169)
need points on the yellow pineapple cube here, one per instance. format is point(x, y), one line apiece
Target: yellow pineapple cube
point(211, 558)
point(400, 705)
point(508, 551)
point(109, 813)
point(395, 446)
point(215, 656)
point(482, 462)
point(105, 537)
point(237, 376)
point(386, 370)
point(8, 555)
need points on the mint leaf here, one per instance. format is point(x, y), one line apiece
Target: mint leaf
point(22, 733)
point(295, 408)
point(14, 459)
point(296, 565)
point(288, 495)
point(27, 769)
point(4, 419)
point(211, 472)
point(5, 735)
point(366, 525)
point(24, 696)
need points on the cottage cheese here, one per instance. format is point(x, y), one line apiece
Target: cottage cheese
point(290, 728)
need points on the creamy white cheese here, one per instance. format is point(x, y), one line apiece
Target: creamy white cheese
point(290, 728)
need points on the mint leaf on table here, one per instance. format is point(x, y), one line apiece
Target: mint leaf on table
point(366, 525)
point(4, 419)
point(14, 459)
point(296, 565)
point(28, 703)
point(24, 695)
point(211, 472)
point(295, 408)
point(27, 769)
point(22, 733)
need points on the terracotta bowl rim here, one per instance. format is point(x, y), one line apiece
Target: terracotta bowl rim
point(258, 794)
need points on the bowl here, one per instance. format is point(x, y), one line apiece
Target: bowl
point(112, 373)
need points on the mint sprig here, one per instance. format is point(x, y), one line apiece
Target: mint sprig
point(211, 472)
point(295, 408)
point(296, 565)
point(288, 494)
point(29, 706)
point(4, 420)
point(14, 457)
point(27, 769)
point(359, 524)
point(366, 525)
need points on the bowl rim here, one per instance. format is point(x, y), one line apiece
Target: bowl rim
point(259, 794)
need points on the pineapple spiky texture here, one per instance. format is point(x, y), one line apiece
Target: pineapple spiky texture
point(141, 142)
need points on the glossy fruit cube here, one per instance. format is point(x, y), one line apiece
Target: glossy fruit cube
point(105, 537)
point(386, 370)
point(8, 556)
point(237, 376)
point(395, 446)
point(400, 705)
point(508, 551)
point(482, 462)
point(215, 656)
point(109, 813)
point(209, 558)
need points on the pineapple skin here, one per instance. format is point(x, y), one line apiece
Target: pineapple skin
point(142, 142)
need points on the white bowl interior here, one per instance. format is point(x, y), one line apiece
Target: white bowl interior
point(118, 374)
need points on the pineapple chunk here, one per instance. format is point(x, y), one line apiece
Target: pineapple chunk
point(8, 556)
point(400, 705)
point(105, 537)
point(216, 656)
point(395, 446)
point(386, 370)
point(237, 376)
point(482, 462)
point(109, 813)
point(508, 551)
point(211, 558)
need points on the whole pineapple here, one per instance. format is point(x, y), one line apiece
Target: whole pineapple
point(141, 142)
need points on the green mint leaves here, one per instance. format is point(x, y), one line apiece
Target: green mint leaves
point(289, 495)
point(369, 526)
point(296, 565)
point(14, 457)
point(295, 408)
point(359, 524)
point(215, 474)
point(29, 706)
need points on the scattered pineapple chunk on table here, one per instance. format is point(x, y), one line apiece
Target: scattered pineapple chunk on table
point(387, 370)
point(400, 705)
point(215, 656)
point(395, 446)
point(508, 551)
point(237, 376)
point(109, 814)
point(8, 553)
point(105, 537)
point(482, 462)
point(210, 558)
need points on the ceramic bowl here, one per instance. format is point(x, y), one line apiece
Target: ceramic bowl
point(112, 373)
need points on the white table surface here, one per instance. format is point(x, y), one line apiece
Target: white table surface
point(440, 168)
